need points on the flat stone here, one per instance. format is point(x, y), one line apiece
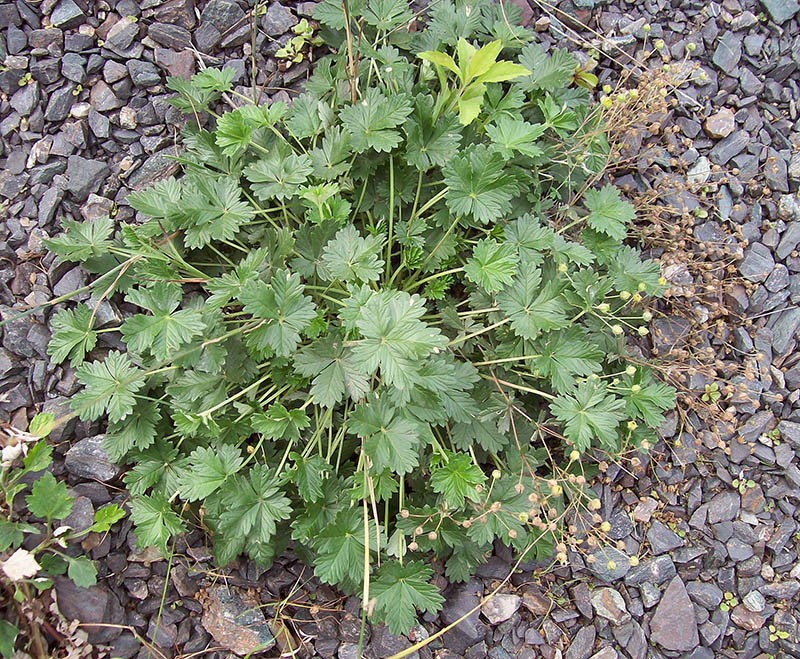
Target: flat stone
point(776, 172)
point(723, 507)
point(662, 539)
point(789, 240)
point(729, 147)
point(582, 644)
point(92, 606)
point(121, 35)
point(644, 510)
point(654, 570)
point(699, 172)
point(706, 594)
point(88, 459)
point(781, 11)
point(757, 263)
point(171, 36)
point(84, 176)
point(608, 604)
point(222, 14)
point(459, 600)
point(160, 165)
point(610, 564)
point(236, 621)
point(674, 626)
point(720, 124)
point(144, 74)
point(176, 12)
point(784, 330)
point(747, 619)
point(67, 15)
point(500, 608)
point(728, 53)
point(277, 20)
point(103, 98)
point(59, 104)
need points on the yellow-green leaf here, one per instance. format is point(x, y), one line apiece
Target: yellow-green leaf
point(469, 104)
point(483, 60)
point(502, 71)
point(442, 59)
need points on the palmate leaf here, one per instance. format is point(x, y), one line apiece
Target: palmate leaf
point(109, 386)
point(515, 136)
point(387, 14)
point(492, 264)
point(430, 141)
point(394, 337)
point(628, 270)
point(308, 474)
point(213, 209)
point(82, 240)
point(533, 307)
point(278, 175)
point(351, 257)
point(209, 469)
point(166, 330)
point(372, 122)
point(155, 522)
point(73, 335)
point(251, 508)
point(400, 590)
point(646, 398)
point(138, 430)
point(332, 159)
point(478, 185)
point(607, 212)
point(161, 200)
point(280, 423)
point(564, 356)
point(548, 72)
point(331, 12)
point(334, 370)
point(591, 412)
point(455, 477)
point(390, 439)
point(340, 549)
point(283, 307)
point(306, 116)
point(49, 498)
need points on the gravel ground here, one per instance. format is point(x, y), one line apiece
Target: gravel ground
point(712, 512)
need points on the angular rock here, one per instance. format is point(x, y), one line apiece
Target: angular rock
point(171, 36)
point(608, 604)
point(784, 330)
point(66, 15)
point(91, 606)
point(277, 20)
point(121, 35)
point(24, 101)
point(662, 539)
point(103, 98)
point(88, 459)
point(59, 104)
point(781, 11)
point(747, 619)
point(583, 644)
point(757, 263)
point(84, 176)
point(236, 621)
point(224, 15)
point(459, 600)
point(729, 147)
point(720, 124)
point(674, 626)
point(728, 53)
point(144, 74)
point(654, 570)
point(500, 608)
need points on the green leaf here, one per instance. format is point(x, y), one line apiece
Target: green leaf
point(305, 116)
point(308, 474)
point(331, 13)
point(646, 398)
point(278, 175)
point(548, 72)
point(400, 590)
point(564, 356)
point(351, 257)
point(455, 477)
point(163, 333)
point(590, 413)
point(483, 59)
point(470, 102)
point(372, 122)
point(49, 499)
point(332, 159)
point(209, 469)
point(39, 457)
point(82, 240)
point(252, 506)
point(478, 185)
point(82, 571)
point(503, 71)
point(213, 209)
point(138, 430)
point(533, 308)
point(8, 637)
point(283, 306)
point(387, 15)
point(340, 549)
point(280, 423)
point(233, 133)
point(492, 264)
point(430, 140)
point(334, 370)
point(607, 212)
point(394, 337)
point(11, 535)
point(390, 439)
point(628, 270)
point(160, 200)
point(442, 59)
point(514, 135)
point(106, 517)
point(155, 522)
point(72, 335)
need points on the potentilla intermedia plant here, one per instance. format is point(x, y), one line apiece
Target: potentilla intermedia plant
point(381, 324)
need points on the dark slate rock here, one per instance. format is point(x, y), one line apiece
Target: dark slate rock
point(222, 14)
point(73, 67)
point(120, 37)
point(784, 330)
point(277, 20)
point(9, 15)
point(776, 172)
point(728, 53)
point(144, 74)
point(15, 40)
point(84, 176)
point(729, 147)
point(757, 263)
point(582, 645)
point(91, 606)
point(45, 71)
point(26, 99)
point(160, 165)
point(723, 507)
point(171, 36)
point(67, 15)
point(88, 459)
point(781, 11)
point(460, 599)
point(674, 626)
point(705, 594)
point(789, 240)
point(662, 539)
point(653, 570)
